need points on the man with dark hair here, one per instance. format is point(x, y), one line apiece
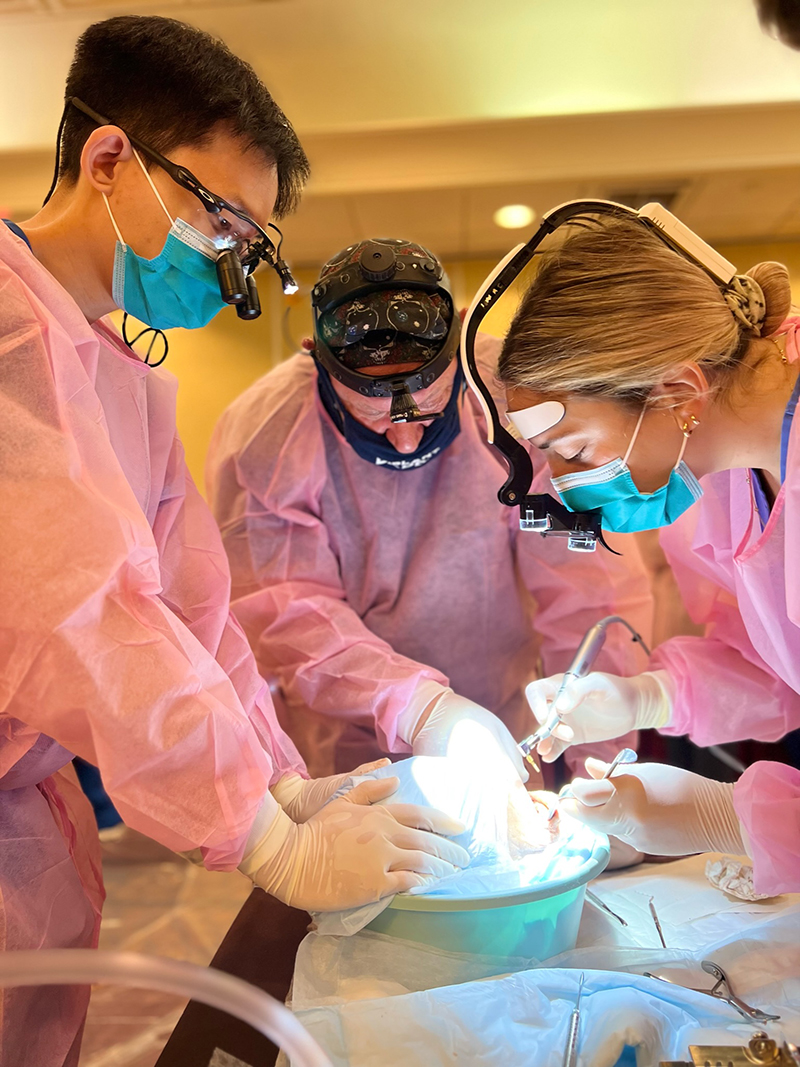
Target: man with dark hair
point(116, 638)
point(175, 85)
point(782, 16)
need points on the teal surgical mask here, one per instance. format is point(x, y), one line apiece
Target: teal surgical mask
point(624, 509)
point(179, 286)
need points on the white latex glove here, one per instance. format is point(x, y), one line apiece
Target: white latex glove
point(350, 853)
point(301, 797)
point(663, 810)
point(599, 707)
point(451, 725)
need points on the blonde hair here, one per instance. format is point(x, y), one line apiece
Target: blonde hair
point(613, 308)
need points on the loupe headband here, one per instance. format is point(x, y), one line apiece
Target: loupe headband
point(378, 268)
point(553, 516)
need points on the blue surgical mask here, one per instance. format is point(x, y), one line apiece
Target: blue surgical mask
point(375, 448)
point(624, 509)
point(178, 287)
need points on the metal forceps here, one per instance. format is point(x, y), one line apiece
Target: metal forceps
point(601, 904)
point(656, 923)
point(723, 990)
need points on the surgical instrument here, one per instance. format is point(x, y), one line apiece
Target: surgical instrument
point(723, 990)
point(598, 903)
point(582, 663)
point(654, 914)
point(571, 1051)
point(624, 756)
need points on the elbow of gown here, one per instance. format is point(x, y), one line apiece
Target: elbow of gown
point(767, 803)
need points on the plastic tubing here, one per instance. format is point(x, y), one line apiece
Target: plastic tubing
point(84, 966)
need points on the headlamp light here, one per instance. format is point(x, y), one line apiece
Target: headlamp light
point(234, 272)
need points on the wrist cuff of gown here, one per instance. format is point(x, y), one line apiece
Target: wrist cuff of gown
point(655, 709)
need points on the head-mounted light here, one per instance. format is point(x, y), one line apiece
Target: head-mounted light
point(378, 267)
point(234, 269)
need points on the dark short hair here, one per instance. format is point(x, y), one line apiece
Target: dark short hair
point(782, 16)
point(170, 84)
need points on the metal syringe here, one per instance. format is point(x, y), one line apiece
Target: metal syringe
point(582, 663)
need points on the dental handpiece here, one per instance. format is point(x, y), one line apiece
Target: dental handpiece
point(582, 663)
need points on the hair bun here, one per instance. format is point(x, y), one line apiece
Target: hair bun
point(774, 281)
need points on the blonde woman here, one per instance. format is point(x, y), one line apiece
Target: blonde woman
point(669, 403)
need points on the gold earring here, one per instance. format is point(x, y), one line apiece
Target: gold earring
point(688, 430)
point(781, 350)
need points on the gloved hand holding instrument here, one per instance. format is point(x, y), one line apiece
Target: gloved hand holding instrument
point(624, 757)
point(660, 810)
point(596, 707)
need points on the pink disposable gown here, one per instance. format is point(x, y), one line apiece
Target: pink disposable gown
point(116, 639)
point(742, 679)
point(356, 584)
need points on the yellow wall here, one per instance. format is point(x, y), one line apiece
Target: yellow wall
point(216, 364)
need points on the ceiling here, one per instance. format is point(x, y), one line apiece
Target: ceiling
point(24, 10)
point(742, 207)
point(375, 64)
point(421, 119)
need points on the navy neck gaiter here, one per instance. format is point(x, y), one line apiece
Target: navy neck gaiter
point(375, 447)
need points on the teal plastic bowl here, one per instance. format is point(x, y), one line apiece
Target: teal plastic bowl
point(533, 922)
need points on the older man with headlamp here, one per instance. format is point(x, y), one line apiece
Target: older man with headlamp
point(386, 592)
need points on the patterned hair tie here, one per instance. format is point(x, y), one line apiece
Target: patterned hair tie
point(745, 297)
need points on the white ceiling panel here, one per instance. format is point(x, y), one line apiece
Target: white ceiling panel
point(52, 9)
point(748, 205)
point(322, 226)
point(457, 223)
point(434, 217)
point(371, 64)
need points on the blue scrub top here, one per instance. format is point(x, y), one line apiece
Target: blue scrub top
point(759, 492)
point(19, 232)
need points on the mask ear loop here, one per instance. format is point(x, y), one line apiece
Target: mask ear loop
point(687, 433)
point(130, 342)
point(113, 220)
point(685, 442)
point(152, 185)
point(680, 454)
point(635, 435)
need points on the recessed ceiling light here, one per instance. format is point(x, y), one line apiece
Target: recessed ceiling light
point(514, 216)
